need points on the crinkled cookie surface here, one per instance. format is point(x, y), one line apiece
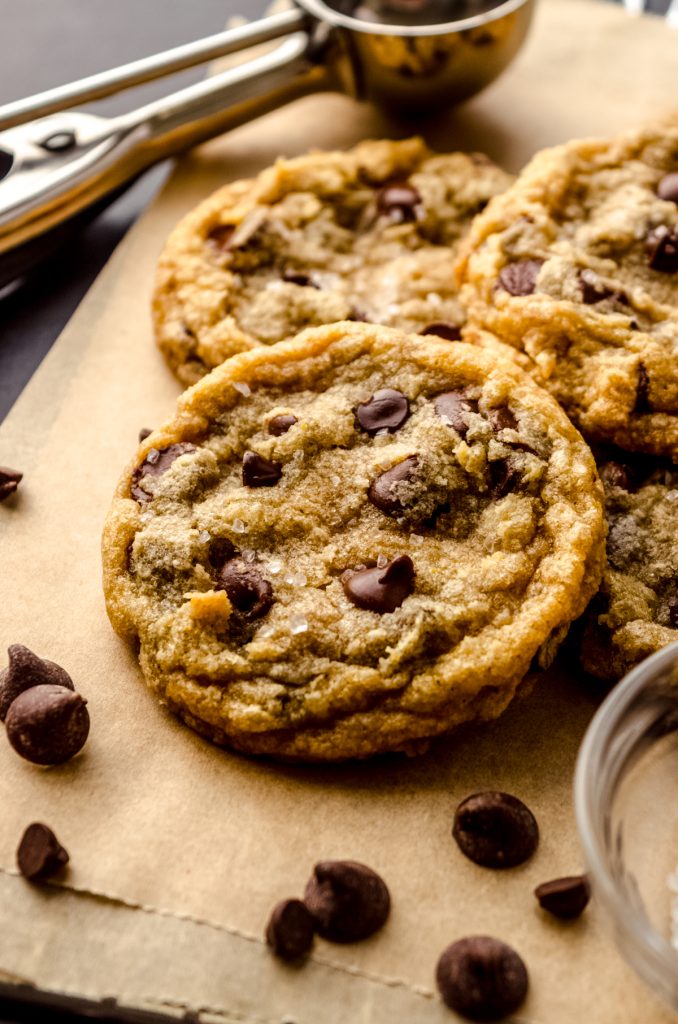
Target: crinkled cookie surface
point(352, 541)
point(368, 234)
point(576, 266)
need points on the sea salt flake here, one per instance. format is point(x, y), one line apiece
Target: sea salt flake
point(298, 623)
point(274, 567)
point(238, 526)
point(335, 480)
point(153, 456)
point(248, 555)
point(296, 579)
point(204, 537)
point(243, 388)
point(265, 632)
point(417, 538)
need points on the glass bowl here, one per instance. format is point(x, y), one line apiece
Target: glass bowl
point(626, 800)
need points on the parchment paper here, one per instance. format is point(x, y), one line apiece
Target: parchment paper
point(179, 850)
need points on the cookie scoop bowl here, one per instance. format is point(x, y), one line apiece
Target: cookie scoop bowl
point(626, 796)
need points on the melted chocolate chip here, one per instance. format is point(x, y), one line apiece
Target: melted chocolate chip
point(220, 550)
point(250, 594)
point(643, 391)
point(9, 481)
point(348, 901)
point(383, 589)
point(157, 462)
point(455, 407)
point(290, 930)
point(668, 188)
point(25, 670)
point(296, 277)
point(443, 329)
point(47, 724)
point(520, 278)
point(495, 830)
point(399, 201)
point(481, 978)
point(387, 409)
point(279, 425)
point(593, 290)
point(259, 472)
point(662, 249)
point(40, 855)
point(382, 491)
point(503, 477)
point(221, 235)
point(565, 898)
point(502, 418)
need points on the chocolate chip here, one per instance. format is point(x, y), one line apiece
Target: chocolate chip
point(520, 278)
point(495, 830)
point(565, 898)
point(481, 978)
point(220, 550)
point(668, 188)
point(616, 474)
point(348, 901)
point(157, 462)
point(503, 477)
point(593, 290)
point(290, 930)
point(358, 316)
point(221, 235)
point(279, 425)
point(662, 249)
point(672, 604)
point(385, 410)
point(443, 329)
point(247, 590)
point(455, 407)
point(381, 589)
point(144, 433)
point(258, 471)
point(40, 855)
point(642, 391)
point(382, 492)
point(9, 481)
point(296, 277)
point(502, 418)
point(399, 201)
point(25, 670)
point(47, 724)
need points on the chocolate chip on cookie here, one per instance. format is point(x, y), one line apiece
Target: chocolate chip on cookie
point(25, 670)
point(258, 471)
point(40, 855)
point(502, 418)
point(593, 290)
point(279, 425)
point(47, 724)
point(157, 462)
point(221, 235)
point(443, 329)
point(662, 249)
point(247, 590)
point(383, 491)
point(495, 830)
point(382, 589)
point(454, 408)
point(667, 188)
point(520, 278)
point(504, 475)
point(399, 201)
point(347, 900)
point(9, 481)
point(290, 930)
point(482, 978)
point(299, 278)
point(643, 390)
point(387, 409)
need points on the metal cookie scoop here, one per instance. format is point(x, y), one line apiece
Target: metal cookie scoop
point(58, 168)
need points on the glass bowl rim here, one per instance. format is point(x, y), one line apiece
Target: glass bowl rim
point(321, 9)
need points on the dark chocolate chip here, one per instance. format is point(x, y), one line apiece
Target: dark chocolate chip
point(502, 418)
point(47, 724)
point(385, 410)
point(668, 188)
point(495, 830)
point(279, 425)
point(616, 474)
point(157, 462)
point(503, 477)
point(383, 589)
point(220, 550)
point(9, 481)
point(481, 978)
point(40, 855)
point(348, 901)
point(296, 277)
point(399, 201)
point(443, 329)
point(593, 290)
point(247, 590)
point(25, 670)
point(672, 605)
point(358, 316)
point(565, 898)
point(662, 249)
point(382, 492)
point(520, 278)
point(258, 471)
point(456, 407)
point(643, 391)
point(221, 235)
point(290, 930)
point(144, 433)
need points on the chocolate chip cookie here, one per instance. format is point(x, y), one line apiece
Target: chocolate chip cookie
point(351, 541)
point(636, 611)
point(576, 266)
point(364, 235)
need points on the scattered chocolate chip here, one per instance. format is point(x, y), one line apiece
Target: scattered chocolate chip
point(348, 901)
point(455, 407)
point(385, 410)
point(25, 670)
point(157, 462)
point(616, 474)
point(643, 391)
point(565, 898)
point(296, 277)
point(672, 604)
point(40, 855)
point(279, 425)
point(258, 471)
point(481, 978)
point(47, 724)
point(247, 590)
point(9, 481)
point(593, 290)
point(382, 492)
point(520, 278)
point(502, 418)
point(144, 433)
point(668, 188)
point(290, 930)
point(381, 589)
point(495, 830)
point(443, 329)
point(399, 201)
point(662, 249)
point(503, 477)
point(221, 235)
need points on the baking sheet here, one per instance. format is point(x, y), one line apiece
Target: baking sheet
point(179, 850)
